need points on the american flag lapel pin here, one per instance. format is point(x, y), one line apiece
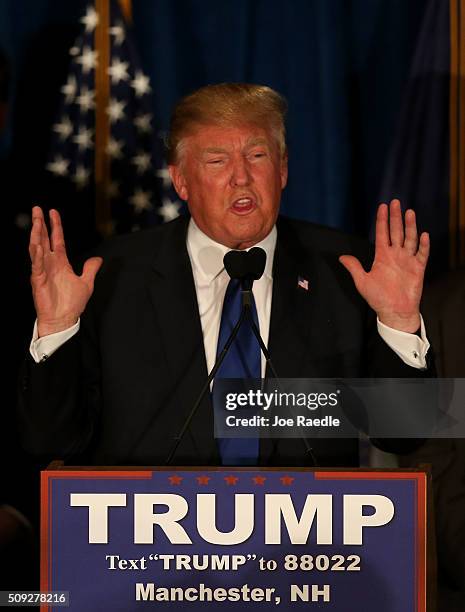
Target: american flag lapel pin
point(302, 283)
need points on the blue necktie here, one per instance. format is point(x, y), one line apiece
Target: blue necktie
point(243, 360)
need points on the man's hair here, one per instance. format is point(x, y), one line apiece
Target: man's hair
point(227, 104)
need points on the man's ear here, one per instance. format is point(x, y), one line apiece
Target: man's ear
point(179, 182)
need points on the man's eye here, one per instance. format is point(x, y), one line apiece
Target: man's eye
point(258, 155)
point(215, 162)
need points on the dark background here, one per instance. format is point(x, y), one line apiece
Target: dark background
point(367, 85)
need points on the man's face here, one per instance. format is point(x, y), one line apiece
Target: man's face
point(231, 178)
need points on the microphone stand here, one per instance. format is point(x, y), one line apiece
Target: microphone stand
point(216, 367)
point(247, 306)
point(246, 313)
point(308, 448)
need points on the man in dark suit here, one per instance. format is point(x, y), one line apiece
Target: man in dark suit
point(444, 307)
point(117, 368)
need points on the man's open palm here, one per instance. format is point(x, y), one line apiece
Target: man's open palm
point(394, 285)
point(60, 295)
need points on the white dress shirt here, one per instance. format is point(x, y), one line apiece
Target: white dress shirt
point(211, 281)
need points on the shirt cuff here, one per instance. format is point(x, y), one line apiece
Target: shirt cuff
point(410, 348)
point(42, 348)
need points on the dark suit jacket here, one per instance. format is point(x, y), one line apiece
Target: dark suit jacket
point(443, 308)
point(119, 391)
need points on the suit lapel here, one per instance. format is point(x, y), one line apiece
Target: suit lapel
point(174, 300)
point(291, 316)
point(173, 295)
point(292, 305)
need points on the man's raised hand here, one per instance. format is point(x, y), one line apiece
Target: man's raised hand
point(394, 285)
point(60, 295)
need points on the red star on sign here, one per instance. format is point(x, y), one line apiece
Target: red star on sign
point(175, 480)
point(203, 480)
point(259, 480)
point(287, 480)
point(231, 480)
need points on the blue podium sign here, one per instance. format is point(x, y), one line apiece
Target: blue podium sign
point(271, 539)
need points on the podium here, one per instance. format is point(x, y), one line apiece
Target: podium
point(232, 538)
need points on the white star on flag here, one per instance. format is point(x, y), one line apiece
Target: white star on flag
point(132, 155)
point(114, 148)
point(169, 210)
point(115, 110)
point(59, 166)
point(164, 175)
point(142, 122)
point(64, 128)
point(90, 19)
point(118, 32)
point(118, 71)
point(86, 100)
point(84, 138)
point(142, 162)
point(141, 200)
point(81, 177)
point(69, 89)
point(88, 59)
point(141, 84)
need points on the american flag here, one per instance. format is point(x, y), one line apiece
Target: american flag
point(140, 189)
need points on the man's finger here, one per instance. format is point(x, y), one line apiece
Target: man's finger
point(91, 267)
point(411, 233)
point(355, 269)
point(423, 250)
point(382, 228)
point(38, 218)
point(56, 237)
point(37, 259)
point(36, 231)
point(396, 225)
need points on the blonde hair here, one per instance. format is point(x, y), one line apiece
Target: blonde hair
point(227, 104)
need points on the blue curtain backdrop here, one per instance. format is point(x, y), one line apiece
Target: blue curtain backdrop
point(342, 64)
point(416, 168)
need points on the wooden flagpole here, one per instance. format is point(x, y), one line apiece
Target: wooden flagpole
point(102, 121)
point(457, 134)
point(126, 9)
point(461, 220)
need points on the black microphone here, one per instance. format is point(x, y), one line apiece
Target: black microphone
point(245, 266)
point(248, 266)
